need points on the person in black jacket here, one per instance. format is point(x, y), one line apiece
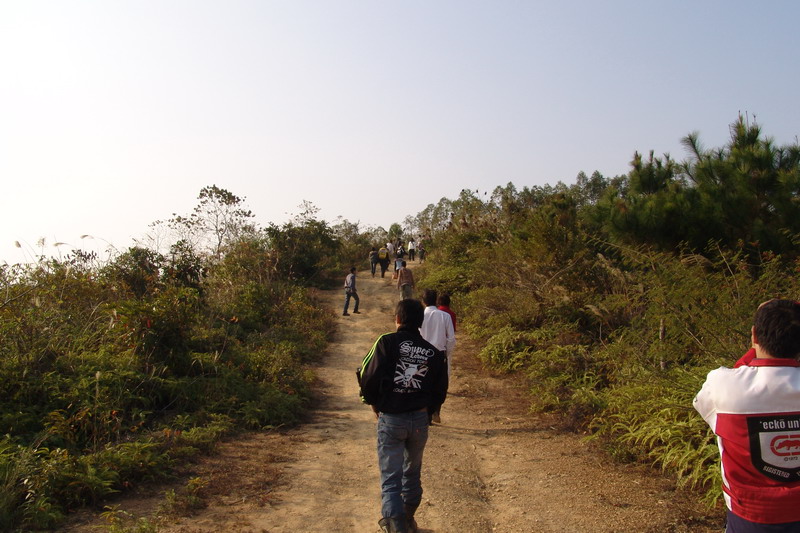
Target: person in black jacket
point(404, 379)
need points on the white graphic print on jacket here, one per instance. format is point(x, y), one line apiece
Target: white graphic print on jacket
point(412, 365)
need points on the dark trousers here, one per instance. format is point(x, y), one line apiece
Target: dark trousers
point(347, 296)
point(740, 525)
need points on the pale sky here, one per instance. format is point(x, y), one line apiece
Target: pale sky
point(114, 114)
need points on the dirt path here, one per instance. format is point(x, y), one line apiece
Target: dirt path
point(490, 467)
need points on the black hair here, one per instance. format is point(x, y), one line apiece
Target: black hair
point(403, 263)
point(410, 313)
point(443, 299)
point(429, 297)
point(777, 328)
point(352, 269)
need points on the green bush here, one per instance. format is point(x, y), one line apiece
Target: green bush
point(451, 278)
point(94, 372)
point(577, 288)
point(650, 418)
point(510, 349)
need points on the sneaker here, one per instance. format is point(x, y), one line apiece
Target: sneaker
point(393, 525)
point(356, 312)
point(345, 314)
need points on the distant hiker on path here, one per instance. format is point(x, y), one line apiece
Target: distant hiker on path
point(373, 260)
point(443, 304)
point(398, 264)
point(350, 292)
point(405, 282)
point(412, 249)
point(383, 259)
point(437, 328)
point(754, 409)
point(404, 379)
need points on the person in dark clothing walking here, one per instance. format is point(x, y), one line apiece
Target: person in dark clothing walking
point(383, 259)
point(373, 260)
point(404, 379)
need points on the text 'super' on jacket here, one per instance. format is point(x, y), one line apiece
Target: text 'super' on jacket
point(403, 372)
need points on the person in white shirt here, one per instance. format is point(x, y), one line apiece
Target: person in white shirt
point(754, 410)
point(437, 329)
point(412, 249)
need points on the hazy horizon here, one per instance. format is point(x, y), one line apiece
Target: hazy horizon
point(116, 115)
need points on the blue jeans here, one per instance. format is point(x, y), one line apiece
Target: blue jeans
point(401, 441)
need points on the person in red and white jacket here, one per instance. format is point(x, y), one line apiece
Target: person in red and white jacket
point(754, 409)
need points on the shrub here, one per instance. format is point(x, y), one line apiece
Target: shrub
point(109, 374)
point(510, 349)
point(650, 418)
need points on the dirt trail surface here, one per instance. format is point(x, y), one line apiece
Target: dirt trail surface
point(489, 467)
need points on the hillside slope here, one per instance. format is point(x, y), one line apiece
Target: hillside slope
point(490, 466)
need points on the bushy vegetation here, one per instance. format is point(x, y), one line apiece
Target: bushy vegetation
point(614, 296)
point(617, 296)
point(113, 372)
